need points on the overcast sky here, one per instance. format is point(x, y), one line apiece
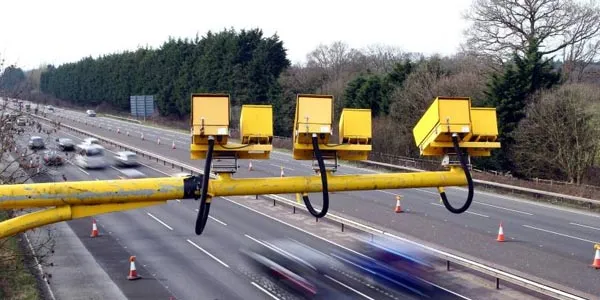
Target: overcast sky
point(36, 32)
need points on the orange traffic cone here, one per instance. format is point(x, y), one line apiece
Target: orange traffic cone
point(158, 141)
point(500, 234)
point(118, 130)
point(133, 275)
point(94, 229)
point(282, 174)
point(173, 145)
point(596, 263)
point(398, 208)
point(142, 136)
point(250, 166)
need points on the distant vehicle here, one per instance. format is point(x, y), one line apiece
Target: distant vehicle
point(65, 144)
point(27, 107)
point(50, 108)
point(90, 113)
point(51, 158)
point(21, 121)
point(91, 141)
point(36, 142)
point(90, 156)
point(126, 159)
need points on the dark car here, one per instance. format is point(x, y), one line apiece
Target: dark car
point(51, 158)
point(65, 144)
point(36, 142)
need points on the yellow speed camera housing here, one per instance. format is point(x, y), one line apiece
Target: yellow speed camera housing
point(210, 117)
point(477, 128)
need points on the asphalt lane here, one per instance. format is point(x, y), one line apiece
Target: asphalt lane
point(174, 261)
point(537, 233)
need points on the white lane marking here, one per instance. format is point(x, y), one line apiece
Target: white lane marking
point(280, 166)
point(509, 209)
point(295, 227)
point(159, 221)
point(348, 287)
point(561, 234)
point(264, 291)
point(428, 192)
point(208, 253)
point(84, 171)
point(585, 226)
point(280, 159)
point(469, 212)
point(386, 192)
point(218, 221)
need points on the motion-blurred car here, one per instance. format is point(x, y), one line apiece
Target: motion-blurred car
point(90, 156)
point(126, 159)
point(65, 144)
point(21, 121)
point(393, 265)
point(131, 174)
point(302, 270)
point(50, 108)
point(91, 141)
point(52, 158)
point(36, 142)
point(90, 113)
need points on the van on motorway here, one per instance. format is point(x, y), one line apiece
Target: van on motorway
point(90, 156)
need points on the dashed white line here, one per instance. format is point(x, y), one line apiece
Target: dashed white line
point(348, 287)
point(159, 221)
point(562, 234)
point(469, 212)
point(218, 221)
point(84, 171)
point(280, 166)
point(509, 209)
point(585, 226)
point(386, 192)
point(208, 253)
point(263, 290)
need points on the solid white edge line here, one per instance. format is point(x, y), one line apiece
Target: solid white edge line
point(263, 290)
point(348, 287)
point(500, 207)
point(561, 234)
point(208, 253)
point(585, 226)
point(159, 221)
point(218, 221)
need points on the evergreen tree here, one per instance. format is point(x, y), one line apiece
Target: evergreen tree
point(511, 92)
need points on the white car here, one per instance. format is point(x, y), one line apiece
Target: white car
point(126, 159)
point(90, 113)
point(91, 141)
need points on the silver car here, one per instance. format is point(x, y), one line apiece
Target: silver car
point(126, 159)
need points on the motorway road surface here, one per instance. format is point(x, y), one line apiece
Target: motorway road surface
point(552, 244)
point(537, 234)
point(176, 263)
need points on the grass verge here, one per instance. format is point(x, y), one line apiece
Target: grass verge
point(16, 280)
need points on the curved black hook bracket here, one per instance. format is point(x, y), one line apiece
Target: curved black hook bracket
point(205, 207)
point(463, 163)
point(323, 212)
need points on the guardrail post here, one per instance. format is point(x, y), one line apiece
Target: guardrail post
point(342, 227)
point(497, 283)
point(447, 265)
point(293, 209)
point(273, 202)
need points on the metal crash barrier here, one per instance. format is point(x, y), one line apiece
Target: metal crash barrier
point(447, 128)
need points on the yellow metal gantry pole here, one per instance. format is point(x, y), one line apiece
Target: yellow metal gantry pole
point(71, 200)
